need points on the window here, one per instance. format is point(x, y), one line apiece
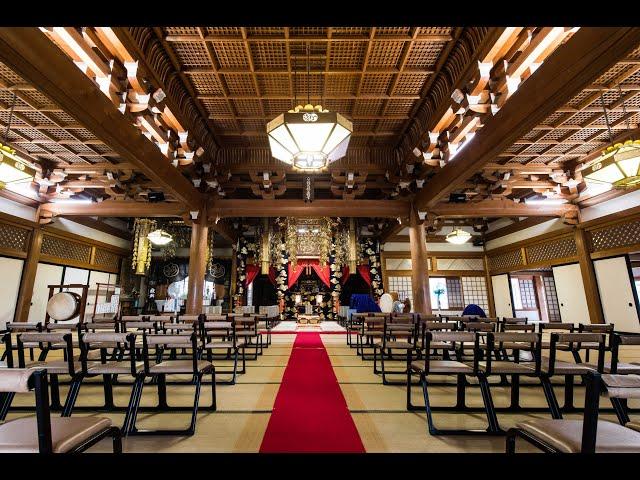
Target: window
point(438, 302)
point(401, 285)
point(528, 294)
point(454, 293)
point(553, 309)
point(515, 292)
point(474, 290)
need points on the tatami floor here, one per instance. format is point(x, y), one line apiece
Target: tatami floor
point(377, 410)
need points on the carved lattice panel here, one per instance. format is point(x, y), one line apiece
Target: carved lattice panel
point(14, 238)
point(460, 264)
point(107, 259)
point(560, 248)
point(505, 260)
point(614, 236)
point(61, 248)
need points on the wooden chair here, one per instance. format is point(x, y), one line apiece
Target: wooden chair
point(218, 336)
point(158, 368)
point(588, 435)
point(372, 328)
point(42, 433)
point(107, 365)
point(399, 333)
point(246, 330)
point(436, 365)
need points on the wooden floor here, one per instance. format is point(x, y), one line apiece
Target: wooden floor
point(378, 411)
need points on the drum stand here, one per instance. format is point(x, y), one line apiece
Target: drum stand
point(61, 288)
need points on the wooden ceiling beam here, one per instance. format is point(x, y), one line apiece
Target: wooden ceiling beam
point(298, 208)
point(516, 227)
point(114, 208)
point(499, 208)
point(39, 61)
point(590, 53)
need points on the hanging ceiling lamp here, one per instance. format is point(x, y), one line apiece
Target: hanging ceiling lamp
point(458, 236)
point(309, 137)
point(159, 237)
point(12, 168)
point(619, 164)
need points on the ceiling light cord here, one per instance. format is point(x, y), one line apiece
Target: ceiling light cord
point(606, 118)
point(6, 132)
point(624, 108)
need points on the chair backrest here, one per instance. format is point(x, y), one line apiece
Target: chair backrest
point(124, 342)
point(479, 326)
point(47, 341)
point(246, 324)
point(100, 326)
point(20, 380)
point(529, 341)
point(514, 320)
point(162, 341)
point(133, 318)
point(617, 340)
point(518, 327)
point(134, 325)
point(552, 326)
point(460, 341)
point(574, 341)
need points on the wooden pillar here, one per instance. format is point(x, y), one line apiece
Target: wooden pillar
point(419, 272)
point(588, 277)
point(197, 265)
point(492, 307)
point(28, 276)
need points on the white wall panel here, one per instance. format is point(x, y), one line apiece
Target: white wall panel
point(616, 294)
point(502, 295)
point(571, 296)
point(45, 275)
point(11, 269)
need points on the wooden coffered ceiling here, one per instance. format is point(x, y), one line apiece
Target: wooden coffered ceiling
point(184, 109)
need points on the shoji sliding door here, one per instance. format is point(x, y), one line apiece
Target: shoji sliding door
point(571, 296)
point(11, 269)
point(502, 295)
point(616, 293)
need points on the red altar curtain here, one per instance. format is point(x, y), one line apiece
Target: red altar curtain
point(294, 273)
point(345, 274)
point(272, 275)
point(363, 270)
point(324, 273)
point(252, 273)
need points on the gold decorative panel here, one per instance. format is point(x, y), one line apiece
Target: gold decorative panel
point(61, 248)
point(107, 259)
point(505, 260)
point(13, 238)
point(614, 236)
point(554, 249)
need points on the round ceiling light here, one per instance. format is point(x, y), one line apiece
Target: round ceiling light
point(159, 237)
point(458, 236)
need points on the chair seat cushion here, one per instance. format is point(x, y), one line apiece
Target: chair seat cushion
point(179, 366)
point(397, 345)
point(223, 344)
point(525, 368)
point(443, 367)
point(21, 435)
point(633, 425)
point(58, 367)
point(621, 368)
point(567, 368)
point(123, 367)
point(566, 435)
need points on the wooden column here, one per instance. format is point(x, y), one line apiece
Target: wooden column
point(419, 272)
point(588, 277)
point(492, 307)
point(197, 265)
point(28, 276)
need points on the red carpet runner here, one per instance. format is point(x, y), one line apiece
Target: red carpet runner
point(310, 413)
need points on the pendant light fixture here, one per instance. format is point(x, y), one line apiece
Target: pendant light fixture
point(159, 237)
point(309, 137)
point(619, 164)
point(13, 169)
point(458, 236)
